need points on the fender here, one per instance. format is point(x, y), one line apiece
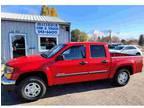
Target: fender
point(122, 64)
point(49, 74)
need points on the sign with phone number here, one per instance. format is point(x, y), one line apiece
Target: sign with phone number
point(51, 29)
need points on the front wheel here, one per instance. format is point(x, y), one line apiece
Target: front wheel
point(31, 89)
point(122, 77)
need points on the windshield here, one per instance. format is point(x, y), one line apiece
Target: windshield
point(111, 46)
point(52, 51)
point(119, 47)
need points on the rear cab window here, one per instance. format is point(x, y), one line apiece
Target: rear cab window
point(97, 51)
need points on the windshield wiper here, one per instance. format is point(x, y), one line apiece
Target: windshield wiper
point(44, 55)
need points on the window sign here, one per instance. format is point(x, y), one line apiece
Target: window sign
point(51, 29)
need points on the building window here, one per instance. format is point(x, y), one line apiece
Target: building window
point(46, 43)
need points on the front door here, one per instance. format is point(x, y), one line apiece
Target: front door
point(72, 67)
point(17, 45)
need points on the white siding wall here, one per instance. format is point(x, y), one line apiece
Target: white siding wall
point(27, 28)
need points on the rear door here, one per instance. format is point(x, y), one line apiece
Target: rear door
point(99, 61)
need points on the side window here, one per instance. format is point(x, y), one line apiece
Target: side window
point(130, 47)
point(74, 52)
point(97, 51)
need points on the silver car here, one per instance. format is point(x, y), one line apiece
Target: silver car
point(127, 49)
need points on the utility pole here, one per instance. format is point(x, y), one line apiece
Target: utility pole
point(110, 36)
point(78, 37)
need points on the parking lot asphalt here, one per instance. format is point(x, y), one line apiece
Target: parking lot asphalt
point(87, 93)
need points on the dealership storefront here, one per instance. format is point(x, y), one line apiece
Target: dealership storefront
point(30, 34)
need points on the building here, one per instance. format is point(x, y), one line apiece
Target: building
point(23, 34)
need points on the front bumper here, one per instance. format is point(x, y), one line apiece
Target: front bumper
point(7, 83)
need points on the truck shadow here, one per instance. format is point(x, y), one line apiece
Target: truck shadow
point(10, 98)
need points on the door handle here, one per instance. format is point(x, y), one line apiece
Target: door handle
point(83, 63)
point(104, 61)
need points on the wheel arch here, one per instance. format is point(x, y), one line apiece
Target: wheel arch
point(40, 74)
point(138, 53)
point(129, 67)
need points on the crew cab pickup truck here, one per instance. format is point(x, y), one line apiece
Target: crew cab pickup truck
point(68, 63)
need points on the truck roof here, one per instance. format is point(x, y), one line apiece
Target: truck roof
point(103, 43)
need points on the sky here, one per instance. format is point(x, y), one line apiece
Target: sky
point(125, 21)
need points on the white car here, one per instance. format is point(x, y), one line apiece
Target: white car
point(127, 49)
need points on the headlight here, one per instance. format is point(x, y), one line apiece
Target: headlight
point(8, 69)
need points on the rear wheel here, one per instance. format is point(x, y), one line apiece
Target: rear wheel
point(138, 53)
point(31, 89)
point(122, 77)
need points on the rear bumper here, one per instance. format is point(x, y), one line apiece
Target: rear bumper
point(7, 84)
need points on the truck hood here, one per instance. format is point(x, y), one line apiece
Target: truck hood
point(26, 60)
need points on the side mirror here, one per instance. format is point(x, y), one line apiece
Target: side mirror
point(59, 58)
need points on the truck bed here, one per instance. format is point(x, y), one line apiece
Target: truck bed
point(126, 59)
point(120, 54)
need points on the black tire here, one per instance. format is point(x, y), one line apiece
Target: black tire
point(21, 88)
point(138, 54)
point(116, 79)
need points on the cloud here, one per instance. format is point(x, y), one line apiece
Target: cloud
point(121, 35)
point(128, 35)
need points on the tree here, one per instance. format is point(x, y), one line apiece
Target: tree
point(77, 35)
point(132, 41)
point(46, 11)
point(106, 39)
point(123, 41)
point(115, 39)
point(83, 37)
point(53, 12)
point(141, 40)
point(99, 38)
point(93, 38)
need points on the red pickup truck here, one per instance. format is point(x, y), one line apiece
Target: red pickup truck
point(68, 63)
